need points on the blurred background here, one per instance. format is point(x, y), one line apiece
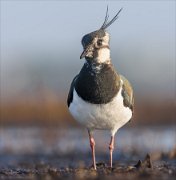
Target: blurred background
point(40, 49)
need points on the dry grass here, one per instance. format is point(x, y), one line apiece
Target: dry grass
point(43, 109)
point(48, 109)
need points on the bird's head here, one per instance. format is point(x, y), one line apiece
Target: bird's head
point(96, 43)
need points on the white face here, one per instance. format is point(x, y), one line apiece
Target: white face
point(103, 51)
point(103, 55)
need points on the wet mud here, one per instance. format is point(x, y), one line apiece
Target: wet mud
point(72, 167)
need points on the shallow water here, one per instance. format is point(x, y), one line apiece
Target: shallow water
point(35, 140)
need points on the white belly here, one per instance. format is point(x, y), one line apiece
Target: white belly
point(110, 116)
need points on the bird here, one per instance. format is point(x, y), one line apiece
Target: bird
point(99, 97)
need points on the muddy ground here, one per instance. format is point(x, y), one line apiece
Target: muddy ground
point(76, 166)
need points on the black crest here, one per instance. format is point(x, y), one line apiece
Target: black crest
point(106, 23)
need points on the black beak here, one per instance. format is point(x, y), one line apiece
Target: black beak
point(85, 52)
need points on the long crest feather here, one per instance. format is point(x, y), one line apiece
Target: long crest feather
point(106, 18)
point(107, 24)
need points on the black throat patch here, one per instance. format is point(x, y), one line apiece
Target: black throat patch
point(97, 83)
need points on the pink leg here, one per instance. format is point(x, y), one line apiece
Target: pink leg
point(92, 145)
point(111, 148)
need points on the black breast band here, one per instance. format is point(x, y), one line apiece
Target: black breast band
point(97, 83)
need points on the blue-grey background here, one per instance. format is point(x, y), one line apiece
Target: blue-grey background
point(41, 44)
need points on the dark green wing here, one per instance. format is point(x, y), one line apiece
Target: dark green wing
point(70, 94)
point(127, 93)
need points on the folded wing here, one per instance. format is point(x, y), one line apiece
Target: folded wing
point(127, 93)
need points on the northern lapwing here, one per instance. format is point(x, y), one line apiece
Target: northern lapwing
point(99, 97)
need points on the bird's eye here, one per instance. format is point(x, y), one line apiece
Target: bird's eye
point(99, 42)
